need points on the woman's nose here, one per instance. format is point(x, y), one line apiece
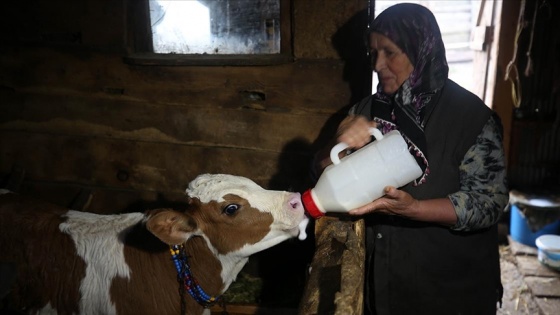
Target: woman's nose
point(379, 62)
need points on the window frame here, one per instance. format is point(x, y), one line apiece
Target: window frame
point(140, 49)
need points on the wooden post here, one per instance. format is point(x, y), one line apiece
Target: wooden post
point(336, 276)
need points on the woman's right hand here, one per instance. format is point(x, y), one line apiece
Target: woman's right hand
point(354, 131)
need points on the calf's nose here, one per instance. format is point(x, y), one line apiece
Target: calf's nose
point(294, 201)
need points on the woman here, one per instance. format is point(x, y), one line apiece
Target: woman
point(432, 245)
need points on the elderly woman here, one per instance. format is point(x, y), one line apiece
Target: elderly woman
point(432, 245)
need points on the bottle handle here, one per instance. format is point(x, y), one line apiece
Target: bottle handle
point(343, 146)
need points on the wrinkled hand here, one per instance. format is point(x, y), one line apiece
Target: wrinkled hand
point(354, 131)
point(395, 202)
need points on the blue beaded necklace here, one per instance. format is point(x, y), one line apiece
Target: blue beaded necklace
point(186, 280)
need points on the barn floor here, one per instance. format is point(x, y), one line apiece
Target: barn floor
point(529, 287)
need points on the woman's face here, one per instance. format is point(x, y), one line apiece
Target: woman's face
point(391, 64)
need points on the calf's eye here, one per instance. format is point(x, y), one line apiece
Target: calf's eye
point(231, 209)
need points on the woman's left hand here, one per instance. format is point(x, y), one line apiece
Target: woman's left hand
point(395, 201)
point(401, 203)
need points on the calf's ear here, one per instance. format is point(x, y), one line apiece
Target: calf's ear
point(171, 227)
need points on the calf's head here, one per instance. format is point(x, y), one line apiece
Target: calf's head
point(233, 214)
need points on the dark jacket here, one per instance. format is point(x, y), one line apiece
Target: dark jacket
point(422, 268)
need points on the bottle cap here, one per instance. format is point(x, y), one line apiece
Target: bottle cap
point(310, 206)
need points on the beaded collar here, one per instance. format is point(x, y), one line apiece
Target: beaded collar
point(186, 280)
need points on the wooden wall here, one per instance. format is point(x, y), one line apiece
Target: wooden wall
point(75, 115)
point(87, 123)
point(535, 134)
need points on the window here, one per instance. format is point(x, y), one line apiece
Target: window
point(216, 27)
point(213, 32)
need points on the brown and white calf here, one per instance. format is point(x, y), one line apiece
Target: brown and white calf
point(71, 262)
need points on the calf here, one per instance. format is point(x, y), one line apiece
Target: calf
point(71, 262)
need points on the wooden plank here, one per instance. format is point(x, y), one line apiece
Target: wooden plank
point(103, 200)
point(91, 24)
point(502, 101)
point(324, 274)
point(521, 249)
point(144, 166)
point(335, 283)
point(150, 59)
point(234, 309)
point(517, 298)
point(544, 286)
point(350, 299)
point(307, 86)
point(317, 22)
point(530, 266)
point(240, 309)
point(549, 306)
point(143, 121)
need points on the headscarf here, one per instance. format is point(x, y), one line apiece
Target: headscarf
point(414, 29)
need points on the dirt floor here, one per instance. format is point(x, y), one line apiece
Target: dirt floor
point(518, 298)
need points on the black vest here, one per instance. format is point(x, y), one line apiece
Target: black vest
point(420, 268)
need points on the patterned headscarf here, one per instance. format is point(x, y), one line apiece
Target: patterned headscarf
point(414, 29)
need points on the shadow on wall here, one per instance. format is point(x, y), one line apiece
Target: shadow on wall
point(350, 41)
point(284, 267)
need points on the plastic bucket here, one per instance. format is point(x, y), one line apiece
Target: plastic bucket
point(522, 233)
point(549, 250)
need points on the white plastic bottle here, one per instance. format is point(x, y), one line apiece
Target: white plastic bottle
point(361, 177)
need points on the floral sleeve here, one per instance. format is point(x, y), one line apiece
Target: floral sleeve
point(483, 194)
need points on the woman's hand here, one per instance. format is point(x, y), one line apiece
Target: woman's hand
point(395, 202)
point(401, 203)
point(354, 131)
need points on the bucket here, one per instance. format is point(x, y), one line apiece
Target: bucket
point(522, 233)
point(549, 250)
